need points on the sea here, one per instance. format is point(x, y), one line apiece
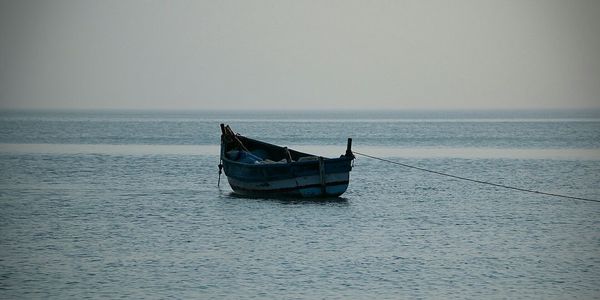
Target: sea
point(126, 204)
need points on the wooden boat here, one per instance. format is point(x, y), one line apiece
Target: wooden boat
point(256, 168)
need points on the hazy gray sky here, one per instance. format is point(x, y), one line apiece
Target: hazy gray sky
point(300, 54)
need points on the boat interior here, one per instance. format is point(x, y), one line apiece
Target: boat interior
point(247, 150)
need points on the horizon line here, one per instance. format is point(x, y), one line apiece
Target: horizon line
point(286, 110)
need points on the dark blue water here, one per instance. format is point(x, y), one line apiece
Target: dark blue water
point(125, 204)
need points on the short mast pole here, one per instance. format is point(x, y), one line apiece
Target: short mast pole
point(349, 148)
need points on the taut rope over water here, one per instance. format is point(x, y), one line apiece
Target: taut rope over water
point(475, 180)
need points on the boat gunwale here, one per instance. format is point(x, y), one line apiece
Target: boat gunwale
point(279, 164)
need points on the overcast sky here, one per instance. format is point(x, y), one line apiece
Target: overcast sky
point(300, 54)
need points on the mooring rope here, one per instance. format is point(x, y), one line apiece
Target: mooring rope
point(475, 180)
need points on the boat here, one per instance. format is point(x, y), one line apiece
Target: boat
point(259, 169)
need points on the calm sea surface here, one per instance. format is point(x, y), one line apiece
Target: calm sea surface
point(126, 205)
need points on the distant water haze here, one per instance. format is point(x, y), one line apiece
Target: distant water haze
point(274, 55)
point(514, 134)
point(327, 151)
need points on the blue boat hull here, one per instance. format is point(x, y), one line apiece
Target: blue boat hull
point(293, 179)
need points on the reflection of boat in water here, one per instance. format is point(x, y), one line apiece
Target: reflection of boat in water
point(257, 168)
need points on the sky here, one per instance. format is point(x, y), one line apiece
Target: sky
point(278, 55)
